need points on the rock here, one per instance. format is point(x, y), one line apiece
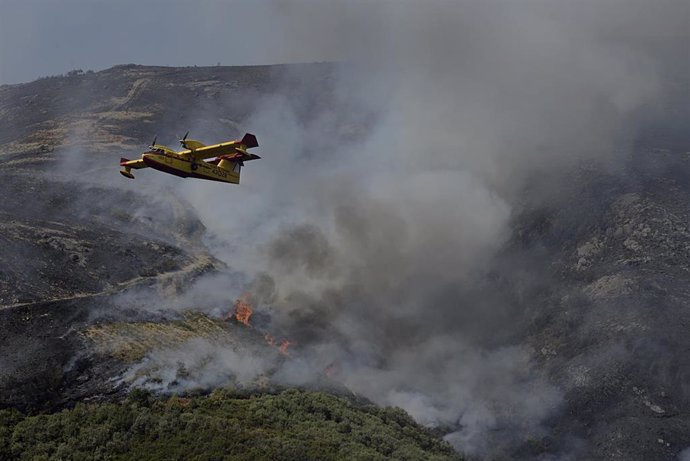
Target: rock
point(590, 248)
point(632, 245)
point(582, 264)
point(609, 286)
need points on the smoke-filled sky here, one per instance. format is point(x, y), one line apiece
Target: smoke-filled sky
point(46, 37)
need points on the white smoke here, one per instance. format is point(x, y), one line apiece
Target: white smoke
point(377, 241)
point(197, 364)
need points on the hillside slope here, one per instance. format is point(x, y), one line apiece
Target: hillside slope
point(74, 245)
point(592, 279)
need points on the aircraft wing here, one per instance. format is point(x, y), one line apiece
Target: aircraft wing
point(201, 152)
point(215, 150)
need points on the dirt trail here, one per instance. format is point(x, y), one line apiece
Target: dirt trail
point(199, 265)
point(137, 87)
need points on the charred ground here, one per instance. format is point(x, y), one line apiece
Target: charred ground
point(68, 247)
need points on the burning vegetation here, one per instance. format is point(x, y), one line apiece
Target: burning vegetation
point(281, 345)
point(242, 312)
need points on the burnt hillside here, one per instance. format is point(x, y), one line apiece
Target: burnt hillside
point(592, 281)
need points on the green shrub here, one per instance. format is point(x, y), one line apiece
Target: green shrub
point(224, 425)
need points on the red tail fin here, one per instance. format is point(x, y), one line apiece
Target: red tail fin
point(249, 140)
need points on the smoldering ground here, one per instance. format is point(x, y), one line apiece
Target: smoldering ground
point(378, 221)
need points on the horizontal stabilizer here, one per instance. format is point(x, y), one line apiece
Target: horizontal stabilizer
point(240, 156)
point(123, 160)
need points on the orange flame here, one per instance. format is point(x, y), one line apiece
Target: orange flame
point(283, 348)
point(243, 310)
point(331, 369)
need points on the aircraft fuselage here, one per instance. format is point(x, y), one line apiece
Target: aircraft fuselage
point(185, 168)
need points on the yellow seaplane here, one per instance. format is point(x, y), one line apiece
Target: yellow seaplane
point(226, 159)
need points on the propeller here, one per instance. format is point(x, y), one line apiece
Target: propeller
point(184, 138)
point(153, 143)
point(183, 141)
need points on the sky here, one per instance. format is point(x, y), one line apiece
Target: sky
point(49, 37)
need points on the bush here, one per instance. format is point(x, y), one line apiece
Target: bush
point(225, 425)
